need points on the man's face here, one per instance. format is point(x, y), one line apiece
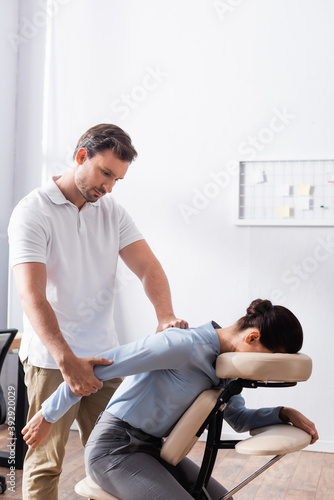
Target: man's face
point(94, 177)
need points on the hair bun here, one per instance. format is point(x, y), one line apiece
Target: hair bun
point(259, 307)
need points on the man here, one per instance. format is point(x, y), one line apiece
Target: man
point(65, 240)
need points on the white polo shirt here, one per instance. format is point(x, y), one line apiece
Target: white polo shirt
point(80, 250)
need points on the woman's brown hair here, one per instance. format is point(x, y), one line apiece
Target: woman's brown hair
point(279, 328)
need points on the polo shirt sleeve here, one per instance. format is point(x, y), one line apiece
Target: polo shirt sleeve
point(128, 231)
point(27, 236)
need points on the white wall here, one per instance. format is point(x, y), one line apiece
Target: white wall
point(194, 85)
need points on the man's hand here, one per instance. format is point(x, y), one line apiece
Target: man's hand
point(299, 420)
point(79, 375)
point(173, 321)
point(37, 430)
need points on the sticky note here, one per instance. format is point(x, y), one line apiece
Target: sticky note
point(304, 189)
point(284, 211)
point(302, 203)
point(284, 189)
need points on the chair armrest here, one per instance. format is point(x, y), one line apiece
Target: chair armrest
point(277, 439)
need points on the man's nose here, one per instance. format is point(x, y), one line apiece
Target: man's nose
point(108, 186)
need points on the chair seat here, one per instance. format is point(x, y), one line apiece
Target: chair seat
point(277, 439)
point(89, 489)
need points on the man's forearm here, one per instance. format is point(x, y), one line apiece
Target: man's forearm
point(157, 289)
point(31, 280)
point(44, 322)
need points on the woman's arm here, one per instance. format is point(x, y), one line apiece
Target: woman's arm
point(242, 419)
point(156, 352)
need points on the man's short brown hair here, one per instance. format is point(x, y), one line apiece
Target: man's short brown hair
point(107, 136)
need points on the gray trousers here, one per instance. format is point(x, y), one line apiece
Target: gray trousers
point(126, 462)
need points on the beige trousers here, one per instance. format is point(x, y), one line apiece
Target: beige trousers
point(42, 466)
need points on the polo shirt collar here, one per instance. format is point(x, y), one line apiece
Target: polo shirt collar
point(56, 196)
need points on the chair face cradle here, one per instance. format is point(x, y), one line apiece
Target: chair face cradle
point(249, 370)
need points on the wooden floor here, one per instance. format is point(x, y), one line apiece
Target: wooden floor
point(299, 476)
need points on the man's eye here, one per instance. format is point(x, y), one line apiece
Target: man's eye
point(105, 173)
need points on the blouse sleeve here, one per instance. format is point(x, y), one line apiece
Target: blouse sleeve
point(242, 419)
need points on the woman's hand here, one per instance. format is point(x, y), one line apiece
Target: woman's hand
point(37, 430)
point(299, 420)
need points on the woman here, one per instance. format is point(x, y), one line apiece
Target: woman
point(165, 373)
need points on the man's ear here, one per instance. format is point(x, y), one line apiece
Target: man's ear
point(253, 337)
point(81, 156)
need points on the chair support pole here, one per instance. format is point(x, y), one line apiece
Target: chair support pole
point(252, 476)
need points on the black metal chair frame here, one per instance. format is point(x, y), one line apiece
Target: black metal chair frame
point(214, 425)
point(21, 409)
